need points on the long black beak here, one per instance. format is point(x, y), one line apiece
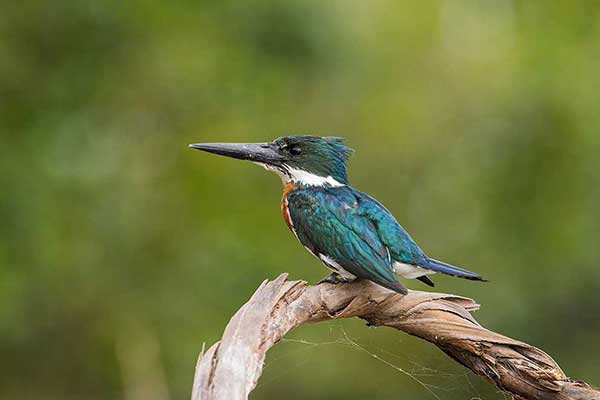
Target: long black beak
point(258, 152)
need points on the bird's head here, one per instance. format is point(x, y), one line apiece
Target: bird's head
point(308, 160)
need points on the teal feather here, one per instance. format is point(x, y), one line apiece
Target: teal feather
point(330, 222)
point(359, 233)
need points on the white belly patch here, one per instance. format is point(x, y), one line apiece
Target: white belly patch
point(331, 263)
point(410, 271)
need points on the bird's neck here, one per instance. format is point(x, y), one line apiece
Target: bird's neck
point(304, 178)
point(300, 177)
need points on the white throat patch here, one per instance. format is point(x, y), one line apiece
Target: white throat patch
point(306, 178)
point(302, 177)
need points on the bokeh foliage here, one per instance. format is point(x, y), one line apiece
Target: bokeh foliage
point(122, 251)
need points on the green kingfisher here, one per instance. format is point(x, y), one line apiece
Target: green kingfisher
point(353, 234)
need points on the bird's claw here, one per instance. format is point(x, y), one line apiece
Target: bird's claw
point(333, 278)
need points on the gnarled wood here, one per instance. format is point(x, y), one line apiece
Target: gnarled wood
point(230, 369)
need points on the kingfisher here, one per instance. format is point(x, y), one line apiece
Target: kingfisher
point(350, 232)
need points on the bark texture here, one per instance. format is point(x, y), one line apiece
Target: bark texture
point(230, 369)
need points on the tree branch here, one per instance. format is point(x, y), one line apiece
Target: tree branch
point(230, 369)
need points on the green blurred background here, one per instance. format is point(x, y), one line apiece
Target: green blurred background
point(122, 251)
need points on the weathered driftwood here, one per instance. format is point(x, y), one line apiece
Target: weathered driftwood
point(229, 370)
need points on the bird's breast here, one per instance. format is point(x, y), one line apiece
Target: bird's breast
point(284, 206)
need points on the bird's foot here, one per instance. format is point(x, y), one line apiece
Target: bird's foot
point(333, 278)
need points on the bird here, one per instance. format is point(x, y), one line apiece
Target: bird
point(350, 232)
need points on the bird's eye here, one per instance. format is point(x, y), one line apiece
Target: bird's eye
point(295, 151)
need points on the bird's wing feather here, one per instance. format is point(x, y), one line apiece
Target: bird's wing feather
point(402, 247)
point(328, 221)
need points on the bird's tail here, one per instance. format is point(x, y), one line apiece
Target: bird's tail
point(448, 269)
